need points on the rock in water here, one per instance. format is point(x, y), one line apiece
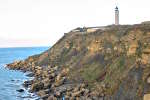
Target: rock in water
point(20, 90)
point(30, 74)
point(27, 83)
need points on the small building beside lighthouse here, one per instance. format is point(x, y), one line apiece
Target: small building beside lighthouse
point(85, 30)
point(116, 16)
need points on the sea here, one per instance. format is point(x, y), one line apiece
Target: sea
point(11, 80)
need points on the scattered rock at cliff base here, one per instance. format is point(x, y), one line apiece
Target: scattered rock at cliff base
point(36, 86)
point(42, 94)
point(30, 74)
point(52, 98)
point(27, 83)
point(113, 63)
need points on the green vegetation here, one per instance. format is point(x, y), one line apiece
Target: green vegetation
point(101, 57)
point(139, 49)
point(91, 72)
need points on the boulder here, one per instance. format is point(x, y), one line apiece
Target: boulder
point(46, 83)
point(72, 98)
point(76, 89)
point(67, 97)
point(57, 94)
point(52, 98)
point(47, 91)
point(69, 88)
point(20, 90)
point(82, 85)
point(38, 67)
point(59, 82)
point(55, 68)
point(58, 77)
point(68, 94)
point(64, 72)
point(41, 93)
point(86, 91)
point(30, 74)
point(38, 72)
point(45, 73)
point(44, 97)
point(27, 83)
point(52, 75)
point(145, 59)
point(37, 86)
point(76, 94)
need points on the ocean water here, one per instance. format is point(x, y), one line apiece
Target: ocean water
point(11, 80)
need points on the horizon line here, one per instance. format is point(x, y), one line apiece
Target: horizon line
point(23, 46)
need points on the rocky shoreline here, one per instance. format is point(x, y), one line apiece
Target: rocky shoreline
point(52, 83)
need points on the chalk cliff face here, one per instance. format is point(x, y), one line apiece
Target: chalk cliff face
point(113, 64)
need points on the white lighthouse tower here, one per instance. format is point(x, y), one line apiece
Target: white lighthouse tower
point(116, 16)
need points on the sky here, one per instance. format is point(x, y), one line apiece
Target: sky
point(26, 23)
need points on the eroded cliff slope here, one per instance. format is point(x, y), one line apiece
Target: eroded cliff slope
point(110, 64)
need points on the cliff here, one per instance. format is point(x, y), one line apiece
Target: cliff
point(109, 64)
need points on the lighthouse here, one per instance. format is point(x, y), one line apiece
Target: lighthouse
point(116, 16)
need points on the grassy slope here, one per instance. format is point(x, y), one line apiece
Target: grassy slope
point(100, 58)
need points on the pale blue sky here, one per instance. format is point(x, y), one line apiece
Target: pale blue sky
point(43, 22)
